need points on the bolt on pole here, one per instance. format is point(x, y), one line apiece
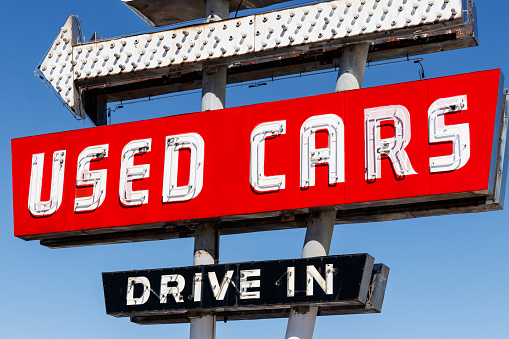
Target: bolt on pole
point(301, 322)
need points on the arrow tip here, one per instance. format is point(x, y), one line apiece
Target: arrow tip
point(58, 68)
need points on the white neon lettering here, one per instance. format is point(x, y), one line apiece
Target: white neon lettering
point(290, 281)
point(334, 154)
point(246, 284)
point(174, 291)
point(129, 173)
point(376, 149)
point(85, 177)
point(394, 147)
point(219, 291)
point(35, 205)
point(459, 134)
point(174, 143)
point(313, 274)
point(197, 283)
point(130, 299)
point(259, 181)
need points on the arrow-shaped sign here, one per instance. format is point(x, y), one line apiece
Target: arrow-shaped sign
point(58, 65)
point(72, 64)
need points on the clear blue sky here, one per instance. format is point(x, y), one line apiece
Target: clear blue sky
point(448, 276)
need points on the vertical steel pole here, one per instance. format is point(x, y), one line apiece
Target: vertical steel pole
point(214, 78)
point(352, 66)
point(301, 323)
point(206, 252)
point(206, 239)
point(213, 88)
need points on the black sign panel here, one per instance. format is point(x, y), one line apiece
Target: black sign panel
point(345, 280)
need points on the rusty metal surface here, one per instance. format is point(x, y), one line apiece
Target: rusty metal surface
point(348, 282)
point(295, 64)
point(360, 213)
point(373, 304)
point(503, 152)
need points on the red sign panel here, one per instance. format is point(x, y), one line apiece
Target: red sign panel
point(423, 140)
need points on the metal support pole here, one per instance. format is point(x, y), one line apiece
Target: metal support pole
point(214, 78)
point(97, 109)
point(206, 245)
point(217, 10)
point(213, 88)
point(206, 239)
point(301, 323)
point(102, 112)
point(203, 327)
point(206, 251)
point(352, 66)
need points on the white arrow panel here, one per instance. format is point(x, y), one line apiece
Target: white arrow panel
point(309, 27)
point(163, 49)
point(340, 19)
point(296, 26)
point(57, 67)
